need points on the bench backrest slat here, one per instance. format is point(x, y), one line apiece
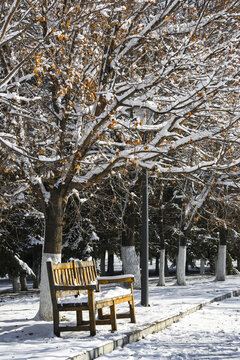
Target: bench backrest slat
point(72, 273)
point(86, 271)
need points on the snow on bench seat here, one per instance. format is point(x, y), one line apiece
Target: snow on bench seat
point(99, 296)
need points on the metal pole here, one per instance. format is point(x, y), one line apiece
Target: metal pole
point(145, 236)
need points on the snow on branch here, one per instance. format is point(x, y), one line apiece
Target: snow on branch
point(8, 19)
point(24, 266)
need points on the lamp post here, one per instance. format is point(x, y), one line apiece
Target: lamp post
point(145, 237)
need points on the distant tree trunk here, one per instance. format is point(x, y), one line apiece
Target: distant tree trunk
point(110, 269)
point(202, 266)
point(221, 259)
point(166, 265)
point(102, 264)
point(181, 261)
point(161, 280)
point(238, 263)
point(130, 261)
point(52, 248)
point(23, 281)
point(16, 284)
point(157, 265)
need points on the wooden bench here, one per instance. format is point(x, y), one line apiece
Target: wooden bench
point(75, 286)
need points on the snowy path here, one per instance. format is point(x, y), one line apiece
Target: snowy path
point(210, 333)
point(24, 336)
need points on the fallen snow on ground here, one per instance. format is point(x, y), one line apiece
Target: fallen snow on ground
point(24, 336)
point(210, 333)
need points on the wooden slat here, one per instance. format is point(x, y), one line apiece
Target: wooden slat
point(103, 321)
point(112, 281)
point(123, 316)
point(75, 328)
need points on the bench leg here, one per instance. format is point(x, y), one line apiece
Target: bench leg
point(132, 311)
point(132, 307)
point(113, 317)
point(79, 317)
point(56, 323)
point(92, 315)
point(100, 314)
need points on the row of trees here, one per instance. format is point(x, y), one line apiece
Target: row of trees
point(108, 218)
point(92, 89)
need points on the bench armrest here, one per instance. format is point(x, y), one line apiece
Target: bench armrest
point(115, 279)
point(75, 287)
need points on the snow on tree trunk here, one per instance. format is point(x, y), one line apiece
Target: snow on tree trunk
point(181, 265)
point(130, 264)
point(16, 284)
point(202, 266)
point(221, 263)
point(161, 281)
point(45, 310)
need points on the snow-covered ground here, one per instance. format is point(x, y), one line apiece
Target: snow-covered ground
point(211, 333)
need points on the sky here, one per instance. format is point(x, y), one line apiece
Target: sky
point(210, 333)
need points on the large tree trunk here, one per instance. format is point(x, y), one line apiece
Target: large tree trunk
point(130, 261)
point(181, 261)
point(52, 249)
point(222, 251)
